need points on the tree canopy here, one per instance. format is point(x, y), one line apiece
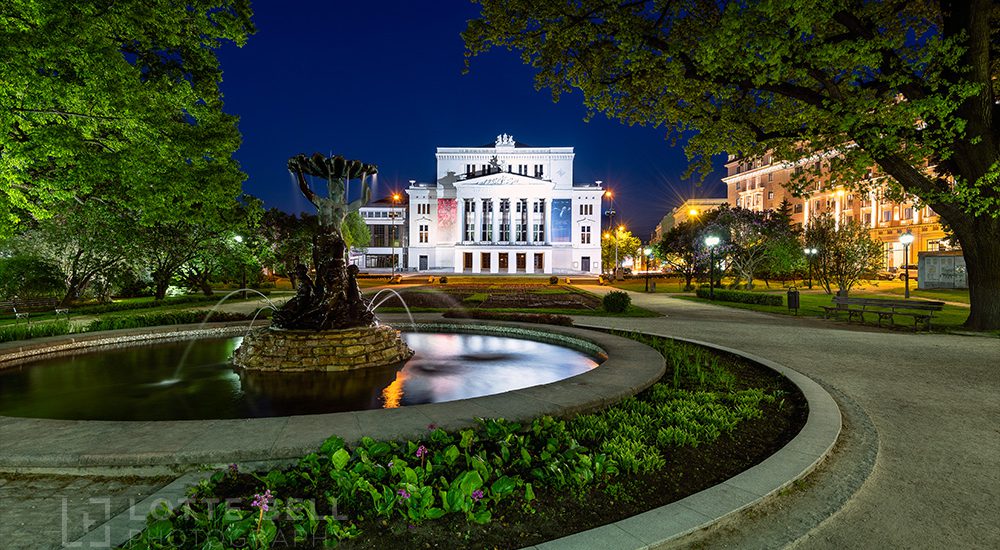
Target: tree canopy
point(909, 86)
point(118, 102)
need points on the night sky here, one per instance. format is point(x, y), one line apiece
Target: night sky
point(382, 82)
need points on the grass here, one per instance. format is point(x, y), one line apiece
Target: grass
point(950, 317)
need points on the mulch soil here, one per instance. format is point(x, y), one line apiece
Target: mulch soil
point(553, 515)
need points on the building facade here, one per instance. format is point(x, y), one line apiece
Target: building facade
point(505, 207)
point(386, 220)
point(759, 184)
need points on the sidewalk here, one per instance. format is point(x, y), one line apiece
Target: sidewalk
point(932, 401)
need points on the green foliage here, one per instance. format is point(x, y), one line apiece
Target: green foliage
point(27, 331)
point(166, 318)
point(468, 473)
point(542, 318)
point(742, 297)
point(907, 86)
point(356, 232)
point(628, 246)
point(116, 103)
point(616, 301)
point(27, 277)
point(476, 298)
point(751, 241)
point(847, 253)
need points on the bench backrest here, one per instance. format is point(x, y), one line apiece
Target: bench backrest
point(923, 305)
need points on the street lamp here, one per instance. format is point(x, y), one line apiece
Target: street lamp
point(810, 252)
point(392, 232)
point(648, 252)
point(610, 213)
point(711, 241)
point(243, 268)
point(906, 239)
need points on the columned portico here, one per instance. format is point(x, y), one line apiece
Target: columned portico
point(503, 208)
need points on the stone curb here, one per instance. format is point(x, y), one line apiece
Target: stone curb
point(34, 445)
point(666, 524)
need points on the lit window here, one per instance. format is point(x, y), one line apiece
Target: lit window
point(585, 234)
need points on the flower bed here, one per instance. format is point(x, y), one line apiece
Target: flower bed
point(503, 485)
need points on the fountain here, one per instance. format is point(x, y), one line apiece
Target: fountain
point(328, 325)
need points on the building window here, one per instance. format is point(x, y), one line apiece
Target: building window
point(887, 215)
point(484, 261)
point(423, 234)
point(770, 195)
point(539, 232)
point(423, 209)
point(770, 177)
point(797, 209)
point(586, 209)
point(470, 220)
point(585, 234)
point(538, 171)
point(738, 187)
point(908, 213)
point(868, 218)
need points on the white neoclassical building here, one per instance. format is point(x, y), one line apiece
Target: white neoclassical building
point(504, 208)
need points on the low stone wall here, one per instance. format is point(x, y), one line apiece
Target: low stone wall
point(328, 350)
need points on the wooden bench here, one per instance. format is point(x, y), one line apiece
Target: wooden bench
point(920, 310)
point(22, 308)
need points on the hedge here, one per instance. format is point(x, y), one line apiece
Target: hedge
point(743, 297)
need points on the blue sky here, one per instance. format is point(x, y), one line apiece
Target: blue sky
point(382, 82)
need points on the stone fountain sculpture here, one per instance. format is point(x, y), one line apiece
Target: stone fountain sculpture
point(328, 325)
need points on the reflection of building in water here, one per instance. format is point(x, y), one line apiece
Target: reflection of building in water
point(392, 395)
point(504, 207)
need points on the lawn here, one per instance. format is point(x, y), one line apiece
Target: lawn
point(950, 317)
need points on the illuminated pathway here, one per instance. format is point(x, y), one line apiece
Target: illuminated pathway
point(918, 465)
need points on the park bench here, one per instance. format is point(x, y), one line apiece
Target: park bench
point(921, 311)
point(22, 308)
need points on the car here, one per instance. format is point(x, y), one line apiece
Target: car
point(902, 271)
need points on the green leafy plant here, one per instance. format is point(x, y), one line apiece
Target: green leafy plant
point(616, 301)
point(742, 297)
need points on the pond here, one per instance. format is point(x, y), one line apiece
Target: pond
point(193, 380)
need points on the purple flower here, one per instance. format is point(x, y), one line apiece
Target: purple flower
point(234, 470)
point(477, 495)
point(389, 465)
point(403, 493)
point(421, 451)
point(261, 501)
point(432, 426)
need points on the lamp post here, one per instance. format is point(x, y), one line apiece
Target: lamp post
point(711, 241)
point(906, 239)
point(648, 251)
point(392, 233)
point(810, 252)
point(243, 268)
point(610, 213)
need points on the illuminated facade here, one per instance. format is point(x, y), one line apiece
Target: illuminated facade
point(759, 184)
point(504, 208)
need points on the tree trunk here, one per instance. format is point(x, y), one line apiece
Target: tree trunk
point(161, 288)
point(981, 250)
point(206, 287)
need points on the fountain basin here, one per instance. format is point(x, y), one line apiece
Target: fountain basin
point(282, 350)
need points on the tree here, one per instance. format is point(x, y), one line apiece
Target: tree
point(86, 244)
point(356, 232)
point(751, 239)
point(847, 254)
point(288, 241)
point(26, 276)
point(683, 246)
point(118, 103)
point(909, 86)
point(627, 246)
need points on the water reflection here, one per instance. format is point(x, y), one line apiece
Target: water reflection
point(145, 383)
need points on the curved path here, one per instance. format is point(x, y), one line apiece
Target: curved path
point(919, 464)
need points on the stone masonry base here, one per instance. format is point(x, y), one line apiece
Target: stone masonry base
point(328, 350)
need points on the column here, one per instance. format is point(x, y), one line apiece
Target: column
point(479, 220)
point(805, 212)
point(497, 218)
point(529, 215)
point(837, 209)
point(460, 222)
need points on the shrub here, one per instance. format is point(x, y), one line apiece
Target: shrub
point(541, 318)
point(553, 280)
point(27, 331)
point(616, 301)
point(743, 297)
point(166, 318)
point(443, 280)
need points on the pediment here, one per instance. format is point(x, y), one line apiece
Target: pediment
point(501, 178)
